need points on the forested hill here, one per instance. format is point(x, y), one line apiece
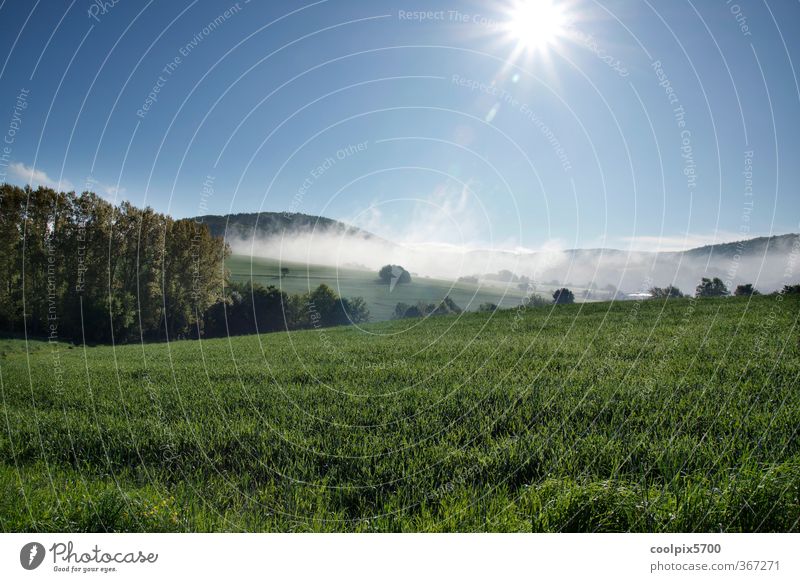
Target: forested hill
point(754, 247)
point(266, 224)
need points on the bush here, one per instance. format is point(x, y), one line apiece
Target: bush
point(487, 307)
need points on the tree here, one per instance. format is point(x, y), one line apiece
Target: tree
point(791, 290)
point(487, 307)
point(537, 301)
point(446, 307)
point(324, 307)
point(563, 296)
point(745, 290)
point(418, 310)
point(394, 274)
point(356, 310)
point(711, 288)
point(284, 271)
point(668, 292)
point(98, 272)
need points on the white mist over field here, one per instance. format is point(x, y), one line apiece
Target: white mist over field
point(630, 271)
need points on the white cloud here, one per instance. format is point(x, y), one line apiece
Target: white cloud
point(34, 177)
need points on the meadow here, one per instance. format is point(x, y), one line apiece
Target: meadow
point(353, 282)
point(628, 416)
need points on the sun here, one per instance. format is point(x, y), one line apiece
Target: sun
point(537, 24)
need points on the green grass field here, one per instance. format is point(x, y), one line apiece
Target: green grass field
point(596, 417)
point(381, 300)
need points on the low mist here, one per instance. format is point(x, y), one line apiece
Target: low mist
point(768, 267)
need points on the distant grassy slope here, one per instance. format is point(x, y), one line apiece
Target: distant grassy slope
point(356, 282)
point(593, 417)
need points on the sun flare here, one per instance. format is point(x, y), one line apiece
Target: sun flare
point(537, 24)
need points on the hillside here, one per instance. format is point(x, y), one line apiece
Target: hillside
point(354, 282)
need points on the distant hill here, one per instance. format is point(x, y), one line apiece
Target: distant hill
point(267, 224)
point(753, 247)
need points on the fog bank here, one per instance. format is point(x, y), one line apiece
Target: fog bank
point(767, 263)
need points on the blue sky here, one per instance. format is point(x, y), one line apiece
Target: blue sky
point(450, 129)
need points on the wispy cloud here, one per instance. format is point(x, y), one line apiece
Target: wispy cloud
point(34, 177)
point(111, 190)
point(450, 214)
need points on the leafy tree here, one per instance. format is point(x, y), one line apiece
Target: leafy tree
point(668, 292)
point(745, 290)
point(791, 289)
point(356, 310)
point(97, 272)
point(563, 296)
point(389, 273)
point(324, 307)
point(711, 288)
point(284, 271)
point(487, 307)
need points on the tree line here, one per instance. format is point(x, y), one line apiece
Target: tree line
point(715, 287)
point(76, 267)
